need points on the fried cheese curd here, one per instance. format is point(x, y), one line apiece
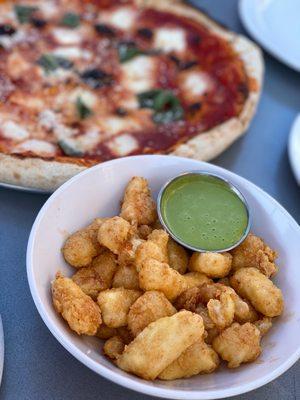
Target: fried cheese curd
point(77, 308)
point(82, 246)
point(138, 207)
point(253, 252)
point(161, 311)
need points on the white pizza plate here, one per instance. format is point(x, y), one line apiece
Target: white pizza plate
point(294, 148)
point(97, 192)
point(275, 25)
point(24, 188)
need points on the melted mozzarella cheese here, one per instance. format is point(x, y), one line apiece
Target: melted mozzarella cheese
point(139, 73)
point(72, 52)
point(51, 121)
point(195, 84)
point(59, 75)
point(86, 142)
point(170, 39)
point(9, 41)
point(123, 18)
point(113, 125)
point(48, 8)
point(14, 131)
point(39, 147)
point(123, 145)
point(66, 36)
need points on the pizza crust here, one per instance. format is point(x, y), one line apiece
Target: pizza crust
point(35, 172)
point(48, 175)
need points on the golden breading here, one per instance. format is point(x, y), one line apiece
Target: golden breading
point(156, 247)
point(114, 233)
point(148, 308)
point(113, 347)
point(127, 277)
point(138, 207)
point(161, 343)
point(221, 311)
point(253, 252)
point(82, 246)
point(192, 279)
point(115, 304)
point(93, 229)
point(191, 299)
point(98, 276)
point(78, 309)
point(161, 238)
point(178, 257)
point(238, 344)
point(214, 265)
point(127, 253)
point(243, 310)
point(144, 231)
point(263, 325)
point(199, 358)
point(105, 332)
point(259, 290)
point(155, 275)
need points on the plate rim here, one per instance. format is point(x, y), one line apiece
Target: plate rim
point(293, 158)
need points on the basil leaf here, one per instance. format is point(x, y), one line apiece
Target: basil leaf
point(69, 149)
point(146, 99)
point(24, 13)
point(82, 109)
point(127, 51)
point(71, 20)
point(166, 105)
point(51, 62)
point(165, 117)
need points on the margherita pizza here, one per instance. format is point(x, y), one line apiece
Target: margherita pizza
point(85, 81)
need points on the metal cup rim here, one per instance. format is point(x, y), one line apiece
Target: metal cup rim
point(230, 185)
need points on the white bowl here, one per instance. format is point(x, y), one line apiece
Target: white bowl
point(97, 192)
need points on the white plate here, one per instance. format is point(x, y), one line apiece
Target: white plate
point(275, 24)
point(97, 192)
point(294, 148)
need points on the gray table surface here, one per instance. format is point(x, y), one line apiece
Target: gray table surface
point(36, 366)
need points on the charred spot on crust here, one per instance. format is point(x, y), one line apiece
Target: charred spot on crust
point(96, 78)
point(243, 89)
point(7, 29)
point(105, 30)
point(146, 33)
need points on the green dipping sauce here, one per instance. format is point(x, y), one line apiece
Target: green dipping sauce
point(204, 212)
